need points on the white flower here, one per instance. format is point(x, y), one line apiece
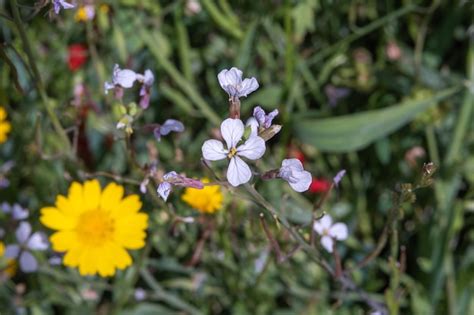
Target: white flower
point(293, 172)
point(61, 4)
point(232, 131)
point(121, 77)
point(231, 82)
point(330, 232)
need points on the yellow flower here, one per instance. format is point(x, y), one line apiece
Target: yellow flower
point(206, 200)
point(96, 227)
point(9, 268)
point(5, 126)
point(84, 13)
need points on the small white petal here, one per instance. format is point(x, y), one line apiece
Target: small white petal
point(327, 243)
point(37, 241)
point(253, 124)
point(323, 224)
point(229, 77)
point(232, 131)
point(149, 78)
point(164, 190)
point(23, 232)
point(293, 164)
point(125, 78)
point(248, 86)
point(339, 231)
point(252, 149)
point(213, 150)
point(301, 181)
point(12, 251)
point(170, 175)
point(238, 172)
point(28, 262)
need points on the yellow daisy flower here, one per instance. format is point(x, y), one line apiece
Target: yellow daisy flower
point(95, 228)
point(206, 200)
point(9, 268)
point(5, 126)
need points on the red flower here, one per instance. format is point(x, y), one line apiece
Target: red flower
point(319, 185)
point(77, 56)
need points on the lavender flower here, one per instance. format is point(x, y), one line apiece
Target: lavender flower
point(264, 120)
point(293, 172)
point(231, 82)
point(168, 126)
point(145, 91)
point(337, 179)
point(232, 131)
point(61, 4)
point(335, 94)
point(26, 243)
point(16, 211)
point(173, 178)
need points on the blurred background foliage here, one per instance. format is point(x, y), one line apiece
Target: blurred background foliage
point(373, 87)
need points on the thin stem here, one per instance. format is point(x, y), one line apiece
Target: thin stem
point(37, 78)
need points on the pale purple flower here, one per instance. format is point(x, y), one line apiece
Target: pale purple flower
point(264, 120)
point(231, 82)
point(173, 178)
point(123, 78)
point(232, 131)
point(293, 172)
point(335, 94)
point(145, 91)
point(337, 179)
point(16, 211)
point(26, 243)
point(139, 294)
point(253, 124)
point(330, 232)
point(168, 126)
point(61, 4)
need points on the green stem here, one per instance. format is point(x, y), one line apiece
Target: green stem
point(37, 78)
point(222, 20)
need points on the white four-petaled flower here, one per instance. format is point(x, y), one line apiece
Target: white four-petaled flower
point(231, 82)
point(232, 131)
point(121, 77)
point(293, 172)
point(330, 232)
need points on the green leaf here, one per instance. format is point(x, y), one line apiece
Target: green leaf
point(357, 131)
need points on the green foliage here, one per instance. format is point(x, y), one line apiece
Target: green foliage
point(408, 76)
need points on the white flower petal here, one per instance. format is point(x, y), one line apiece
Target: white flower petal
point(229, 77)
point(323, 224)
point(28, 262)
point(23, 232)
point(125, 78)
point(252, 149)
point(339, 231)
point(164, 190)
point(301, 181)
point(12, 251)
point(327, 243)
point(248, 86)
point(294, 164)
point(232, 131)
point(37, 241)
point(213, 150)
point(238, 172)
point(253, 124)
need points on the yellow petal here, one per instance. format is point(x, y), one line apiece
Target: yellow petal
point(131, 241)
point(106, 264)
point(111, 196)
point(121, 258)
point(133, 222)
point(73, 256)
point(129, 205)
point(64, 240)
point(57, 220)
point(88, 261)
point(91, 194)
point(75, 197)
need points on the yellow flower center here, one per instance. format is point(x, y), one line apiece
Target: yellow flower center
point(95, 227)
point(232, 152)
